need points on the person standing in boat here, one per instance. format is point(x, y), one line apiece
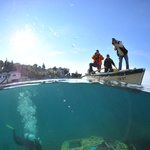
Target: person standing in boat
point(108, 62)
point(97, 61)
point(122, 52)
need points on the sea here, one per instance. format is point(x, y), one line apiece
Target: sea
point(60, 110)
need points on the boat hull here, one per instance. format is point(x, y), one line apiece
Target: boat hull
point(132, 76)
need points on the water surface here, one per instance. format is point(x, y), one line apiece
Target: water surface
point(73, 109)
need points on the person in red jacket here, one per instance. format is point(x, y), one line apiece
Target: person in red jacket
point(97, 61)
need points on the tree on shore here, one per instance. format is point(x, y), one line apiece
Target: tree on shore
point(35, 71)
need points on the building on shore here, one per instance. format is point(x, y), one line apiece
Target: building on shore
point(8, 77)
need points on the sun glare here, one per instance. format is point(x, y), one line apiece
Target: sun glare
point(24, 45)
point(24, 41)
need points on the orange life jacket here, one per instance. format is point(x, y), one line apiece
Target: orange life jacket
point(97, 58)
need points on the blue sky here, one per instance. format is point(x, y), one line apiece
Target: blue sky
point(66, 33)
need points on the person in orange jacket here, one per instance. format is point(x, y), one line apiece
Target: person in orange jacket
point(97, 61)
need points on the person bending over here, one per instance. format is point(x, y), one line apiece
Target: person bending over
point(122, 52)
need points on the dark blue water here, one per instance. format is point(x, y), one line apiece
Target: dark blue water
point(62, 111)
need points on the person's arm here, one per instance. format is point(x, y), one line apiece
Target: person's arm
point(120, 44)
point(113, 63)
point(93, 57)
point(115, 48)
point(101, 57)
point(17, 139)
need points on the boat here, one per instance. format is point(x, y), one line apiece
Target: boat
point(94, 143)
point(129, 76)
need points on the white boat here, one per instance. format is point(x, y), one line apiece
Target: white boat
point(132, 76)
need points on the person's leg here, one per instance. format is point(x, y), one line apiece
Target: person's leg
point(106, 69)
point(120, 62)
point(98, 67)
point(93, 65)
point(111, 70)
point(127, 61)
point(90, 67)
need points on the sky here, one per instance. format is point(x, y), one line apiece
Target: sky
point(66, 33)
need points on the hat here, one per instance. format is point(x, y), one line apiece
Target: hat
point(97, 50)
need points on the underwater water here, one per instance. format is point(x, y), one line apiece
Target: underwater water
point(60, 111)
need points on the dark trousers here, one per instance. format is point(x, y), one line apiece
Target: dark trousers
point(109, 70)
point(91, 65)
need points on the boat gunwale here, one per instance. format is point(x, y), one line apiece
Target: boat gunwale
point(120, 73)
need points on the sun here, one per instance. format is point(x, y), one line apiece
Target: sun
point(24, 40)
point(24, 45)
